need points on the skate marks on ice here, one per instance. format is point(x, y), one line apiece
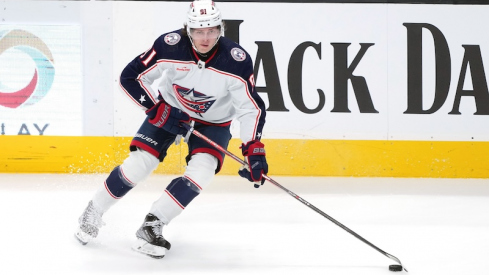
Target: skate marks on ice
point(435, 226)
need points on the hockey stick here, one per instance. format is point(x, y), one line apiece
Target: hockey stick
point(297, 197)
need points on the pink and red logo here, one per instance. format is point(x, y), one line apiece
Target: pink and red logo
point(43, 76)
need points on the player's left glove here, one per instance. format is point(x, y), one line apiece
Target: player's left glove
point(163, 115)
point(254, 153)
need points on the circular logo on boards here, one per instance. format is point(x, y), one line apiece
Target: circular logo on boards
point(15, 45)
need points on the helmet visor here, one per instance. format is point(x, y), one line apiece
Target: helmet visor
point(205, 33)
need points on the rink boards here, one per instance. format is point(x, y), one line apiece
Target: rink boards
point(446, 159)
point(388, 90)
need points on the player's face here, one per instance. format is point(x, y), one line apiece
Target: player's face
point(205, 38)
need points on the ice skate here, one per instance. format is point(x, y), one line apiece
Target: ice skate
point(90, 221)
point(150, 239)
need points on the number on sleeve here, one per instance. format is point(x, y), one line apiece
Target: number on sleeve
point(148, 59)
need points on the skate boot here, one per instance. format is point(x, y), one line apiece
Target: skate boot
point(90, 221)
point(150, 239)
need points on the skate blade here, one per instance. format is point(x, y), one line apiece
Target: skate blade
point(83, 237)
point(153, 251)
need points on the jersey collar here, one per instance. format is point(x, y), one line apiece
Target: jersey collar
point(208, 57)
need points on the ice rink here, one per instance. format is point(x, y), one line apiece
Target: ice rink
point(434, 226)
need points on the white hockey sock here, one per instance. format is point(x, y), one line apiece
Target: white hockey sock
point(135, 168)
point(165, 208)
point(200, 170)
point(102, 200)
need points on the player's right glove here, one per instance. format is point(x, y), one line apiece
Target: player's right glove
point(254, 153)
point(163, 115)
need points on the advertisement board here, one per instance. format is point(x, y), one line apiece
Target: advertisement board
point(40, 80)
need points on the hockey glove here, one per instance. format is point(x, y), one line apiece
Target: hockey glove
point(163, 115)
point(254, 153)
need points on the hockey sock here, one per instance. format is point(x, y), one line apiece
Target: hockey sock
point(179, 193)
point(102, 200)
point(183, 191)
point(117, 184)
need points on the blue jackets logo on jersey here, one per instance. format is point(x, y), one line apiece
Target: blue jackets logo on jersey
point(172, 38)
point(238, 54)
point(193, 100)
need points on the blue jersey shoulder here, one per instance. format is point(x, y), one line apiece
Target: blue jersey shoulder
point(233, 58)
point(173, 45)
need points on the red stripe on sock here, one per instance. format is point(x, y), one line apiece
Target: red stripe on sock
point(108, 191)
point(175, 200)
point(191, 180)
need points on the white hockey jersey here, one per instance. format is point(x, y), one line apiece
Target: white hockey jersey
point(213, 92)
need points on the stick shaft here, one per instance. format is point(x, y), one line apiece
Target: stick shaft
point(297, 197)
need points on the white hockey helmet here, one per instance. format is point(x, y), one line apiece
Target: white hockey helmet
point(203, 14)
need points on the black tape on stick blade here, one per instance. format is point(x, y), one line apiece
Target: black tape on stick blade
point(395, 267)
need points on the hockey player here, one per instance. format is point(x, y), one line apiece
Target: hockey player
point(206, 80)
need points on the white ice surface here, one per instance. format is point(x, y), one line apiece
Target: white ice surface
point(435, 226)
